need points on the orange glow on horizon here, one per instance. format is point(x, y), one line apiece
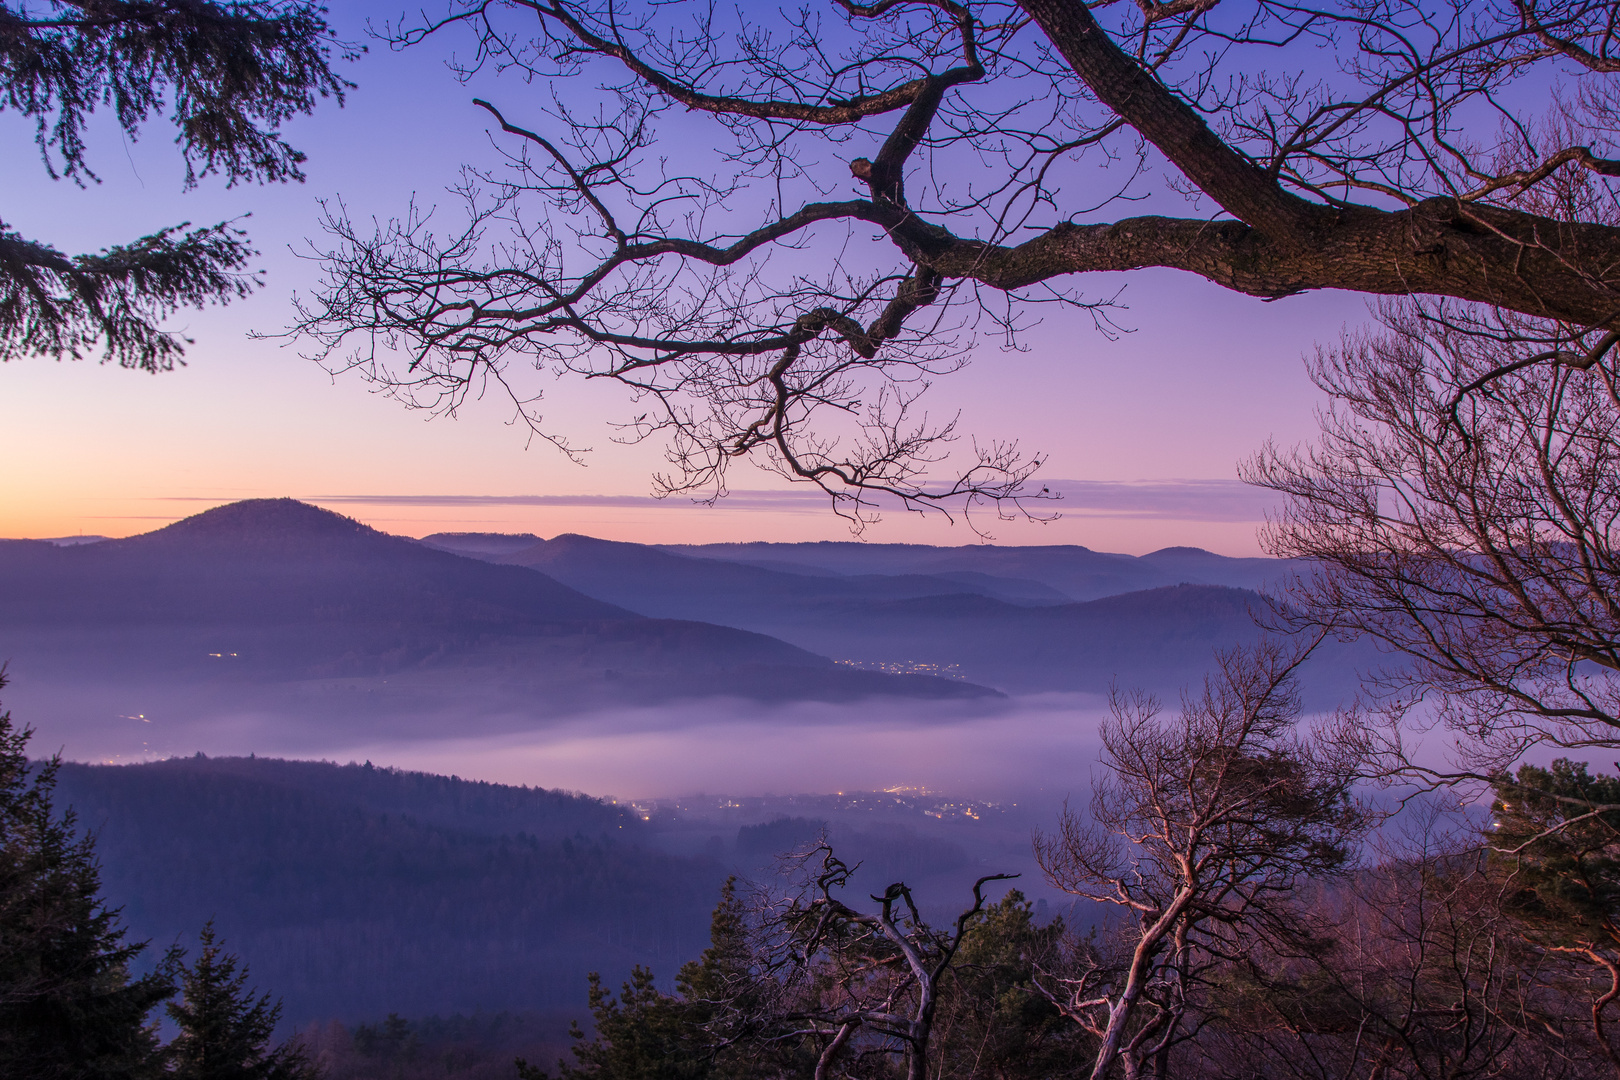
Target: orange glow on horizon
point(115, 516)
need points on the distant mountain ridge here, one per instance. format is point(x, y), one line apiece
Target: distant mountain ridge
point(1050, 574)
point(482, 543)
point(670, 585)
point(1078, 572)
point(284, 616)
point(1021, 619)
point(307, 620)
point(270, 561)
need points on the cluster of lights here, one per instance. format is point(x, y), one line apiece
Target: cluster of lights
point(910, 797)
point(908, 667)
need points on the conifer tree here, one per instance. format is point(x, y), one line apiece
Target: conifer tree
point(228, 76)
point(646, 1034)
point(69, 1009)
point(225, 1030)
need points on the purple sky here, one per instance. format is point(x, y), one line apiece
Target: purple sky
point(1145, 431)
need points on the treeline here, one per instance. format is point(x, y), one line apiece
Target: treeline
point(358, 891)
point(1417, 968)
point(483, 1046)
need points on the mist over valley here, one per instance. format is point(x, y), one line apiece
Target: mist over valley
point(357, 753)
point(358, 891)
point(275, 627)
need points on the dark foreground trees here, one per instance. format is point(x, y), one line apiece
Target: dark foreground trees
point(227, 75)
point(225, 1031)
point(646, 1034)
point(860, 988)
point(804, 985)
point(890, 178)
point(1421, 960)
point(1555, 847)
point(70, 1005)
point(1412, 968)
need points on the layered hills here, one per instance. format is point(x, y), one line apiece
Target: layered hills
point(356, 891)
point(295, 615)
point(1024, 619)
point(309, 632)
point(1075, 572)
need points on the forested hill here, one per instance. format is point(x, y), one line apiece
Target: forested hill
point(275, 562)
point(1020, 619)
point(1078, 573)
point(355, 891)
point(336, 632)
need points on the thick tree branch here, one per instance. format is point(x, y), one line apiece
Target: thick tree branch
point(1500, 257)
point(1169, 123)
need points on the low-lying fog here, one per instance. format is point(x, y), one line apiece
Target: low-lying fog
point(1004, 749)
point(1045, 743)
point(978, 777)
point(986, 750)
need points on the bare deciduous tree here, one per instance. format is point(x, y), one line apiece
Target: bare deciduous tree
point(863, 987)
point(888, 177)
point(1463, 516)
point(1197, 834)
point(1412, 968)
point(1460, 509)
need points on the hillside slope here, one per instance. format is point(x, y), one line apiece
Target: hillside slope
point(656, 582)
point(991, 615)
point(1079, 573)
point(1156, 638)
point(309, 631)
point(354, 892)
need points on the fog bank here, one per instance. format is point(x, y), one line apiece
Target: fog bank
point(1045, 743)
point(993, 750)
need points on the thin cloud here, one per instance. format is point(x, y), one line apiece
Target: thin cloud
point(1168, 500)
point(791, 501)
point(1176, 500)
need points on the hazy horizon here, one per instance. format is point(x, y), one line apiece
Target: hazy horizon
point(1196, 383)
point(991, 750)
point(1136, 516)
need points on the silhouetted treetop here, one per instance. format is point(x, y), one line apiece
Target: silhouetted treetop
point(228, 75)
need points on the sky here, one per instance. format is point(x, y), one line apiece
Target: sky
point(1142, 434)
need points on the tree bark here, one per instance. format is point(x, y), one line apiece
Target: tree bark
point(1282, 244)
